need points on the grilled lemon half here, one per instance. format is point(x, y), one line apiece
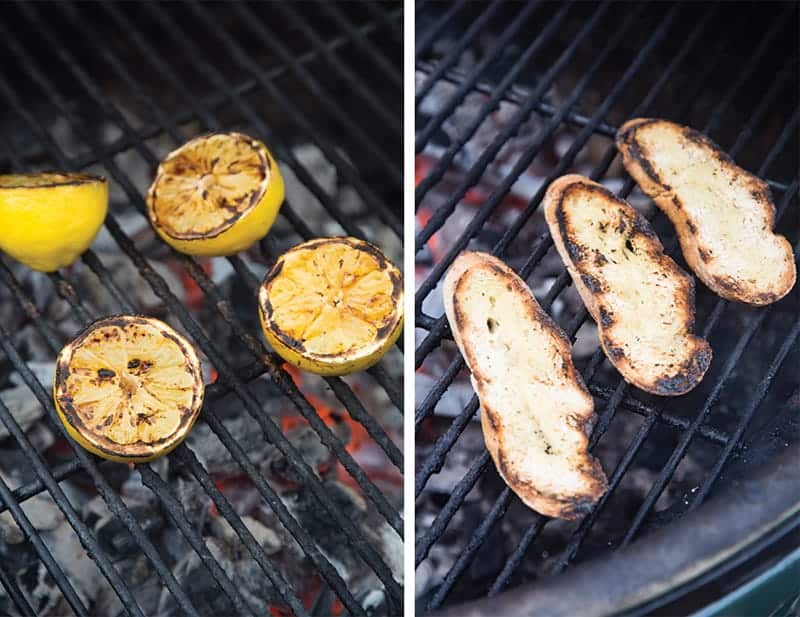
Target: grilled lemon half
point(49, 219)
point(332, 306)
point(128, 388)
point(215, 195)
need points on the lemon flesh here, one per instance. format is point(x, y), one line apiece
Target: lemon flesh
point(215, 195)
point(128, 388)
point(332, 306)
point(49, 219)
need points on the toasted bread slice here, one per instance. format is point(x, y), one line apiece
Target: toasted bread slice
point(642, 301)
point(537, 412)
point(723, 214)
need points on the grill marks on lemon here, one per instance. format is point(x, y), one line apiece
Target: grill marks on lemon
point(128, 388)
point(332, 305)
point(216, 194)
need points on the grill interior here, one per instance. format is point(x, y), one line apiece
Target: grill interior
point(287, 496)
point(508, 98)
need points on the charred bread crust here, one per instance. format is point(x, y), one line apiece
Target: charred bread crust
point(624, 343)
point(779, 273)
point(578, 419)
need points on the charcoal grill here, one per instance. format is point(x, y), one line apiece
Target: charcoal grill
point(111, 88)
point(508, 98)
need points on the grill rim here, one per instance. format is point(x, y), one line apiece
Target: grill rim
point(631, 580)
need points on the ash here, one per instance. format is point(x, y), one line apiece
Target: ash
point(613, 520)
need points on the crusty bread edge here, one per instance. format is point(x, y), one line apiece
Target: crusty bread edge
point(691, 373)
point(648, 179)
point(548, 505)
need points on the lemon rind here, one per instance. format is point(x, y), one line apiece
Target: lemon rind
point(272, 178)
point(84, 436)
point(336, 364)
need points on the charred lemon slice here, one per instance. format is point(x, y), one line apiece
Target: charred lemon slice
point(49, 219)
point(128, 388)
point(215, 195)
point(332, 306)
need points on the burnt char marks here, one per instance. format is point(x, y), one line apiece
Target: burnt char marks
point(704, 253)
point(105, 374)
point(75, 179)
point(704, 141)
point(640, 226)
point(732, 289)
point(687, 375)
point(729, 285)
point(606, 317)
point(628, 138)
point(615, 352)
point(575, 251)
point(592, 283)
point(599, 259)
point(568, 507)
point(489, 414)
point(691, 227)
point(290, 341)
point(577, 507)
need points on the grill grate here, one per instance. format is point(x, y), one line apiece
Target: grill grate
point(667, 48)
point(219, 102)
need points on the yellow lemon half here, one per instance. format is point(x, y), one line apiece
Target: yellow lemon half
point(332, 306)
point(47, 220)
point(128, 388)
point(215, 195)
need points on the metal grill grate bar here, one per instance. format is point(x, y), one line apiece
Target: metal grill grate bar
point(216, 99)
point(422, 40)
point(468, 82)
point(391, 26)
point(187, 457)
point(352, 80)
point(372, 53)
point(174, 511)
point(758, 396)
point(315, 88)
point(26, 491)
point(477, 169)
point(86, 537)
point(455, 52)
point(24, 523)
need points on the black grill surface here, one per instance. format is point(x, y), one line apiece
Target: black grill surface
point(508, 98)
point(110, 88)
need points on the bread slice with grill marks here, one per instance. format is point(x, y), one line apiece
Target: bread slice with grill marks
point(536, 411)
point(642, 301)
point(723, 214)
